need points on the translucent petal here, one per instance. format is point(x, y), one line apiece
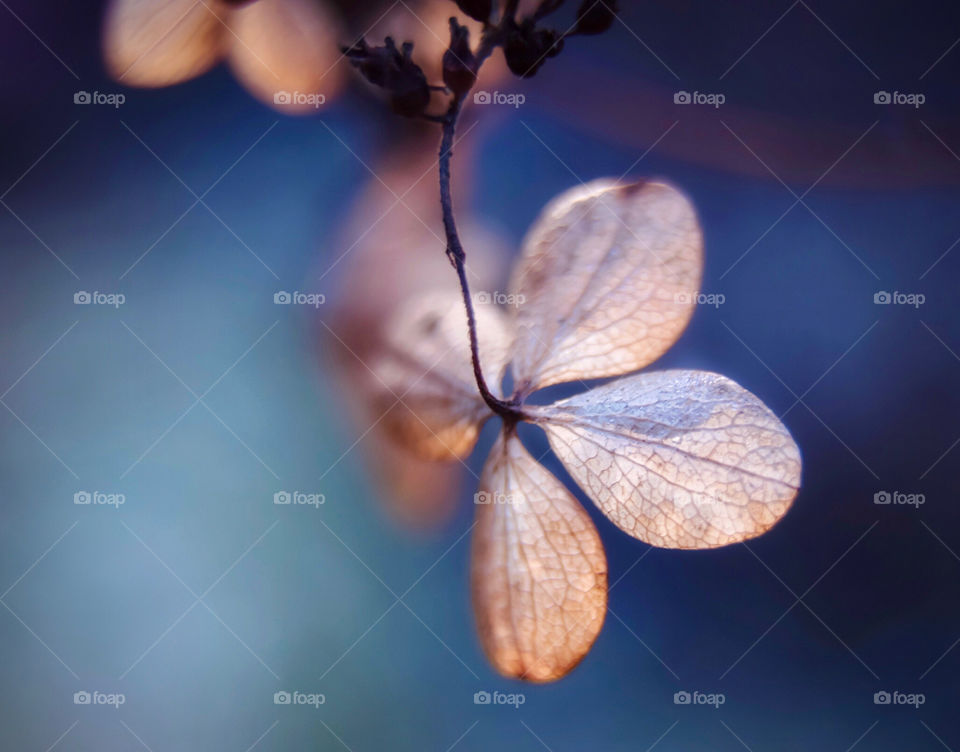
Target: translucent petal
point(539, 573)
point(162, 42)
point(426, 385)
point(287, 47)
point(608, 277)
point(679, 459)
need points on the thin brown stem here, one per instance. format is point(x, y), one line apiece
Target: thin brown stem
point(509, 411)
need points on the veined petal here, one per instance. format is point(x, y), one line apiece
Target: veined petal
point(162, 42)
point(425, 382)
point(607, 281)
point(539, 573)
point(679, 459)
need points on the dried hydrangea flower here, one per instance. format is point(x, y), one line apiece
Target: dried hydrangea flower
point(679, 459)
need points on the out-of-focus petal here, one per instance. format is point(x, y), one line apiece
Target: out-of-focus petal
point(162, 42)
point(425, 384)
point(286, 52)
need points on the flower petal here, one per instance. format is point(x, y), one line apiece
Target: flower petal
point(162, 42)
point(607, 278)
point(679, 459)
point(425, 376)
point(287, 47)
point(539, 573)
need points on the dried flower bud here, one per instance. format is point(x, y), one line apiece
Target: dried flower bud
point(527, 48)
point(372, 62)
point(459, 65)
point(596, 16)
point(395, 71)
point(478, 10)
point(411, 93)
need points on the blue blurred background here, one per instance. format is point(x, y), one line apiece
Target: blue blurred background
point(198, 598)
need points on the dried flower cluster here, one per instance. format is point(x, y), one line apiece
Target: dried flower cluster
point(527, 44)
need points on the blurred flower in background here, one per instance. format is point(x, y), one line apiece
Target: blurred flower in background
point(283, 51)
point(392, 250)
